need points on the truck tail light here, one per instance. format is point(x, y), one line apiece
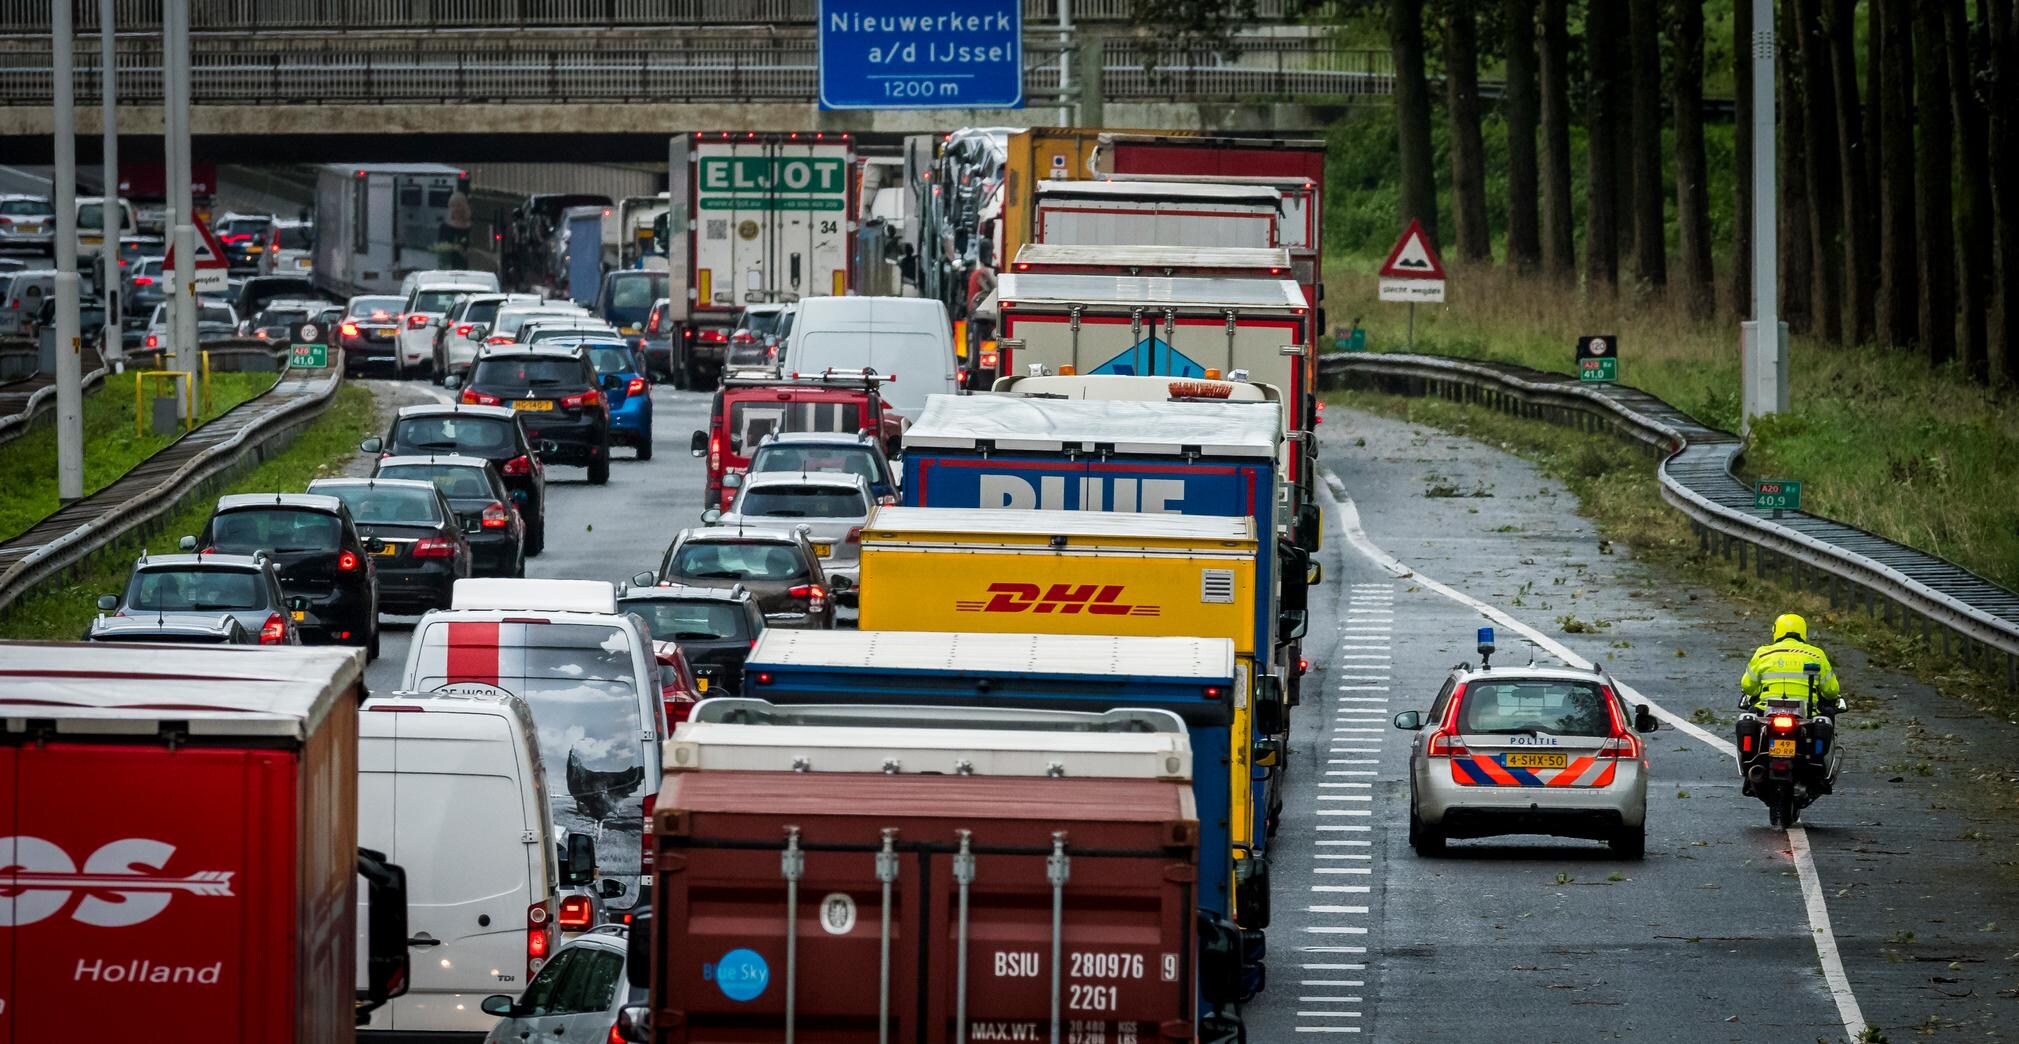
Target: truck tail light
point(577, 913)
point(434, 547)
point(713, 336)
point(519, 465)
point(989, 360)
point(636, 386)
point(592, 397)
point(348, 562)
point(274, 631)
point(496, 516)
point(645, 857)
point(815, 595)
point(473, 397)
point(539, 938)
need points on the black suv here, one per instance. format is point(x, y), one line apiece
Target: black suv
point(778, 567)
point(491, 432)
point(557, 396)
point(713, 626)
point(317, 550)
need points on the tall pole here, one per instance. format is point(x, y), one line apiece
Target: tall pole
point(69, 370)
point(1764, 378)
point(180, 207)
point(109, 345)
point(1065, 63)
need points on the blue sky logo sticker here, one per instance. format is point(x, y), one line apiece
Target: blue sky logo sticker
point(742, 974)
point(1152, 356)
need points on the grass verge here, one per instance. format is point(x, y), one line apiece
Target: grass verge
point(1878, 439)
point(110, 446)
point(1615, 485)
point(62, 608)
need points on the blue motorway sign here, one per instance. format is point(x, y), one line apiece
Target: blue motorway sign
point(921, 54)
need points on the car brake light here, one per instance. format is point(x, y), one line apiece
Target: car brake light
point(815, 595)
point(415, 322)
point(743, 337)
point(652, 324)
point(577, 913)
point(348, 562)
point(348, 329)
point(636, 386)
point(153, 341)
point(1622, 743)
point(519, 465)
point(498, 340)
point(1443, 742)
point(854, 535)
point(143, 281)
point(473, 397)
point(274, 631)
point(592, 397)
point(714, 454)
point(715, 336)
point(434, 547)
point(989, 360)
point(886, 500)
point(496, 516)
point(379, 316)
point(1783, 722)
point(537, 938)
point(464, 329)
point(616, 1036)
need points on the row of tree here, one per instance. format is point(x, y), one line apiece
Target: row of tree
point(1898, 184)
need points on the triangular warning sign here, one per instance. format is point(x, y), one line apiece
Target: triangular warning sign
point(209, 252)
point(1413, 257)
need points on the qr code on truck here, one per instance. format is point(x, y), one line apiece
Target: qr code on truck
point(718, 228)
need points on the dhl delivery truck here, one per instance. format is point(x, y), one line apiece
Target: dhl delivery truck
point(1011, 571)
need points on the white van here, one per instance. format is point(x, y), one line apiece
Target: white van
point(487, 280)
point(907, 339)
point(587, 673)
point(450, 788)
point(91, 223)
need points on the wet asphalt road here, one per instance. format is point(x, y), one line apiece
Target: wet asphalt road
point(1707, 939)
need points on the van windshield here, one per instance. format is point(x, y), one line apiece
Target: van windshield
point(902, 353)
point(752, 419)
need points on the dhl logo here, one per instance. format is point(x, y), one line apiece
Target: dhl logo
point(1067, 599)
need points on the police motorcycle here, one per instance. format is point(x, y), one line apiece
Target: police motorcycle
point(1789, 759)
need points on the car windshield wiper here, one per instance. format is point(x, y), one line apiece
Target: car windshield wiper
point(700, 636)
point(783, 514)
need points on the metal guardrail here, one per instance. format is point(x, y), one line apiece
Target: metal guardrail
point(157, 485)
point(1696, 477)
point(747, 67)
point(34, 394)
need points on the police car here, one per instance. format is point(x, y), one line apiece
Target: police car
point(1527, 750)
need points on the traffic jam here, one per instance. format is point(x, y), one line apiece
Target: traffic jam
point(961, 710)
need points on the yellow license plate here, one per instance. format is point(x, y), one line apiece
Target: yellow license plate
point(701, 683)
point(91, 240)
point(534, 405)
point(823, 550)
point(31, 230)
point(388, 551)
point(1534, 760)
point(300, 615)
point(627, 330)
point(303, 262)
point(1781, 749)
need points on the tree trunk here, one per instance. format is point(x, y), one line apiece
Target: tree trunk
point(1742, 156)
point(2003, 90)
point(1797, 270)
point(1468, 151)
point(1897, 248)
point(1695, 275)
point(1650, 245)
point(1412, 114)
point(1973, 204)
point(1603, 34)
point(1860, 226)
point(1819, 153)
point(1559, 236)
point(1932, 193)
point(1524, 245)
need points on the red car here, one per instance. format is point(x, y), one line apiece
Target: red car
point(746, 409)
point(676, 682)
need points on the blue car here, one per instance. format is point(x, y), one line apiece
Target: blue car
point(621, 369)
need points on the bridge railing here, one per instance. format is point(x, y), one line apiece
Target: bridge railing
point(32, 16)
point(749, 67)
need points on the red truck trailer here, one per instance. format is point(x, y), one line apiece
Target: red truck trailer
point(178, 847)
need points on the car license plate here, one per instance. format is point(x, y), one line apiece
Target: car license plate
point(30, 230)
point(701, 684)
point(823, 550)
point(534, 405)
point(1555, 761)
point(628, 331)
point(91, 240)
point(300, 615)
point(303, 262)
point(1781, 748)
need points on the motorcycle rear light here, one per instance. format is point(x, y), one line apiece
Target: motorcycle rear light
point(636, 386)
point(1746, 744)
point(415, 322)
point(473, 397)
point(1783, 722)
point(464, 329)
point(577, 913)
point(496, 516)
point(348, 329)
point(519, 465)
point(274, 631)
point(592, 397)
point(348, 562)
point(434, 547)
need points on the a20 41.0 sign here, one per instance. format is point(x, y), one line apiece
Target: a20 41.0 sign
point(904, 54)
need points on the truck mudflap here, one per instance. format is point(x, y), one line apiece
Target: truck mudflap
point(860, 906)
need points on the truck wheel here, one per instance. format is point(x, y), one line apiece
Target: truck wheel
point(599, 468)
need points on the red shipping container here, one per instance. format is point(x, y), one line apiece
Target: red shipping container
point(178, 843)
point(725, 967)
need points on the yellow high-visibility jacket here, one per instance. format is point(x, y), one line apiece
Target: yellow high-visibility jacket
point(1776, 671)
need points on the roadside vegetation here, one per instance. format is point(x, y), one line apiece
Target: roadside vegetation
point(62, 608)
point(111, 447)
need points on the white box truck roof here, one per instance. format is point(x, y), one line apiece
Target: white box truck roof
point(218, 690)
point(1093, 655)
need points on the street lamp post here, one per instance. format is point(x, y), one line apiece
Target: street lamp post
point(69, 368)
point(1764, 387)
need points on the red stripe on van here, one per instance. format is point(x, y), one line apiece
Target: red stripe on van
point(473, 653)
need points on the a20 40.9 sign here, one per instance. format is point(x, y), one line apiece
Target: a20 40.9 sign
point(907, 54)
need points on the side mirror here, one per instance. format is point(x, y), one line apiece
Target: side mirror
point(1220, 964)
point(478, 331)
point(638, 949)
point(1314, 574)
point(1411, 720)
point(634, 1021)
point(297, 603)
point(1644, 719)
point(579, 867)
point(107, 603)
point(698, 445)
point(499, 1005)
point(848, 598)
point(386, 957)
point(610, 888)
point(1292, 624)
point(732, 481)
point(187, 543)
point(643, 580)
point(1269, 716)
point(452, 381)
point(712, 516)
point(1268, 753)
point(372, 445)
point(840, 583)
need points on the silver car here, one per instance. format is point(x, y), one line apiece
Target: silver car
point(1528, 750)
point(195, 589)
point(829, 506)
point(26, 222)
point(575, 997)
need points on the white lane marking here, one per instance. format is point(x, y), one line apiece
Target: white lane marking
point(1328, 1029)
point(1352, 842)
point(1366, 656)
point(1361, 786)
point(1343, 869)
point(1352, 761)
point(1343, 811)
point(1329, 1000)
point(1343, 889)
point(1333, 967)
point(440, 395)
point(1334, 929)
point(1331, 949)
point(1336, 909)
point(1351, 772)
point(1817, 907)
point(1364, 688)
point(1348, 983)
point(1351, 828)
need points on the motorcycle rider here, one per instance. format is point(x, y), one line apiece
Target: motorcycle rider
point(1778, 671)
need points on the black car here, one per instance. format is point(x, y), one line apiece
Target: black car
point(558, 398)
point(255, 292)
point(491, 432)
point(779, 568)
point(625, 301)
point(714, 628)
point(368, 332)
point(319, 554)
point(421, 550)
point(476, 492)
